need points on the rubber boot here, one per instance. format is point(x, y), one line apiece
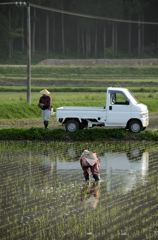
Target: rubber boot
point(86, 178)
point(46, 124)
point(96, 178)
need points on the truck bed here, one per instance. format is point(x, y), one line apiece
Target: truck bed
point(80, 108)
point(98, 113)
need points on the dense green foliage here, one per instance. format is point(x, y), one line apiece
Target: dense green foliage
point(57, 35)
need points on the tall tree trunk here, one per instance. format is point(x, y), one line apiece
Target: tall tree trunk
point(104, 41)
point(22, 37)
point(139, 38)
point(62, 30)
point(129, 39)
point(47, 34)
point(78, 40)
point(114, 39)
point(96, 43)
point(11, 50)
point(142, 40)
point(10, 42)
point(53, 35)
point(157, 39)
point(83, 43)
point(88, 43)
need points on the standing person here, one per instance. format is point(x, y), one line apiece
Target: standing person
point(45, 105)
point(90, 162)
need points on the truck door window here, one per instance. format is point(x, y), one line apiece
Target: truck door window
point(119, 98)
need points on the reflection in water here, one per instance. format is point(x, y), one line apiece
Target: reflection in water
point(120, 169)
point(90, 194)
point(40, 189)
point(47, 166)
point(125, 170)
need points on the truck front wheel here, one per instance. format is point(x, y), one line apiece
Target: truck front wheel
point(135, 126)
point(71, 126)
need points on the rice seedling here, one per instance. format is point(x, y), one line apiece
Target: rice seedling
point(43, 195)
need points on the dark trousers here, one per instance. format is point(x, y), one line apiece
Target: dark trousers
point(93, 169)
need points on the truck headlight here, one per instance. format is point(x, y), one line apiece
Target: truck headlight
point(143, 115)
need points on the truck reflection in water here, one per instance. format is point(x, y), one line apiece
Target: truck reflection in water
point(124, 171)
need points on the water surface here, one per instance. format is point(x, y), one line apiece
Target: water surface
point(44, 196)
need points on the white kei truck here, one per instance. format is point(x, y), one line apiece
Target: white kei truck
point(122, 110)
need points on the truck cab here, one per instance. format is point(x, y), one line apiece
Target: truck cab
point(121, 110)
point(124, 110)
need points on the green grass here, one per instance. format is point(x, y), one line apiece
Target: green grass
point(73, 85)
point(13, 105)
point(82, 135)
point(79, 78)
point(87, 76)
point(109, 70)
point(19, 111)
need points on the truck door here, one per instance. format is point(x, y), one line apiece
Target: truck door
point(119, 109)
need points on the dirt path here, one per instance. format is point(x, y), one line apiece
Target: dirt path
point(153, 120)
point(28, 123)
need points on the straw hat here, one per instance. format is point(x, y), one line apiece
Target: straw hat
point(90, 157)
point(45, 92)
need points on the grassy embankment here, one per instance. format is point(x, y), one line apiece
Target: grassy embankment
point(81, 135)
point(70, 85)
point(73, 85)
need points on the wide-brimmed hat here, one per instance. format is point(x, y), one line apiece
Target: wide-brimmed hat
point(90, 157)
point(45, 92)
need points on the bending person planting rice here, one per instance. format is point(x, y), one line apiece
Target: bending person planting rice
point(90, 164)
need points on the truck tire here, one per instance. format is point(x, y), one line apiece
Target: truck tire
point(71, 126)
point(135, 126)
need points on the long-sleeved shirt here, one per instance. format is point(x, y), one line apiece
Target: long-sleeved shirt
point(46, 100)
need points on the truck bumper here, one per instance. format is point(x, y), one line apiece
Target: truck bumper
point(145, 121)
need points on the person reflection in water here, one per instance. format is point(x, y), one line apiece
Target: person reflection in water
point(90, 164)
point(90, 195)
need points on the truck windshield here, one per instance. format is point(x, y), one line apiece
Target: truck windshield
point(134, 100)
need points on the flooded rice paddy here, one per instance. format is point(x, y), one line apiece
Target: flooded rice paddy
point(43, 195)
